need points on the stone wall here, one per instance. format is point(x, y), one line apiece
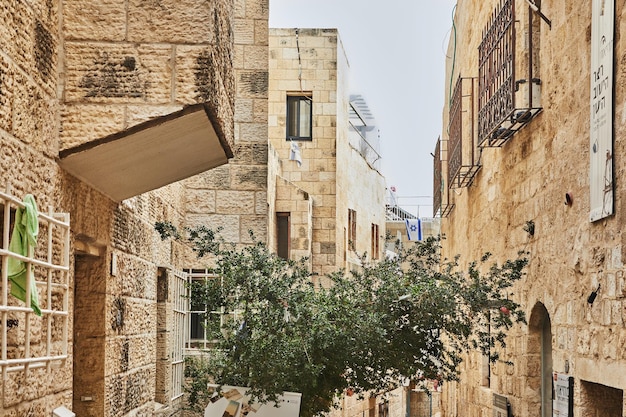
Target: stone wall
point(234, 196)
point(526, 180)
point(72, 71)
point(122, 65)
point(291, 199)
point(29, 139)
point(334, 175)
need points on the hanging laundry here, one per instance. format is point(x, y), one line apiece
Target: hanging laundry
point(414, 229)
point(24, 237)
point(295, 154)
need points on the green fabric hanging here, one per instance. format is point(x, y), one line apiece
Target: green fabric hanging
point(24, 237)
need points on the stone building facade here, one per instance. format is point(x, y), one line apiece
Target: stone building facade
point(116, 115)
point(534, 106)
point(105, 109)
point(335, 194)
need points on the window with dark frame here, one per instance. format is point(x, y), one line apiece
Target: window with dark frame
point(375, 242)
point(283, 245)
point(299, 117)
point(352, 229)
point(383, 409)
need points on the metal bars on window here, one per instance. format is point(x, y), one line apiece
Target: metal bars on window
point(496, 74)
point(29, 341)
point(179, 331)
point(199, 319)
point(204, 325)
point(441, 196)
point(506, 103)
point(462, 161)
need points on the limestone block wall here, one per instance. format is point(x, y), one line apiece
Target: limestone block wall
point(29, 140)
point(122, 64)
point(234, 196)
point(291, 199)
point(353, 406)
point(360, 186)
point(72, 71)
point(314, 56)
point(313, 61)
point(526, 180)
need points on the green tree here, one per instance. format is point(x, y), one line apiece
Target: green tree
point(411, 316)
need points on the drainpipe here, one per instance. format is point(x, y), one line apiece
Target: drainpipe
point(408, 401)
point(430, 401)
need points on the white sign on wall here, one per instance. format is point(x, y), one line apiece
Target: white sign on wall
point(563, 402)
point(601, 109)
point(500, 406)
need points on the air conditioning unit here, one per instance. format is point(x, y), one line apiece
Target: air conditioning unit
point(522, 99)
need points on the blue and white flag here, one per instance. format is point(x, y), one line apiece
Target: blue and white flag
point(414, 229)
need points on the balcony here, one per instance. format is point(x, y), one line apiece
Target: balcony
point(463, 162)
point(441, 195)
point(509, 96)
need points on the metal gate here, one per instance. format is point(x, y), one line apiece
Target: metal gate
point(178, 285)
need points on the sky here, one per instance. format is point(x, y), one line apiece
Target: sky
point(397, 55)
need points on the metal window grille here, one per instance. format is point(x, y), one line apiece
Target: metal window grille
point(441, 197)
point(179, 331)
point(462, 162)
point(29, 341)
point(198, 319)
point(203, 325)
point(496, 74)
point(506, 103)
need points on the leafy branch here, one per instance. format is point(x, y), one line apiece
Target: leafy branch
point(411, 316)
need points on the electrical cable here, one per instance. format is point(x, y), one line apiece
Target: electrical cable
point(453, 56)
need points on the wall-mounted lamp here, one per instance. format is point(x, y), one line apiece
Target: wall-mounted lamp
point(593, 295)
point(529, 228)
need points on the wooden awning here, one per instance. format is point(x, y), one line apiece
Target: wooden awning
point(150, 155)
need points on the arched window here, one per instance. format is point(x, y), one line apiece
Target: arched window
point(540, 357)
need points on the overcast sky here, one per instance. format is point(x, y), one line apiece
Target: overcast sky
point(397, 53)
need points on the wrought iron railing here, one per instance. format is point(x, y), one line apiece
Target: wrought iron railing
point(505, 103)
point(441, 196)
point(463, 164)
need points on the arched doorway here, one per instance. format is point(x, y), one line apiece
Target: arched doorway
point(540, 358)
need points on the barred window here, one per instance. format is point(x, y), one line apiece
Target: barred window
point(204, 325)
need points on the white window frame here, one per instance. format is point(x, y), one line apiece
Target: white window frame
point(57, 247)
point(194, 346)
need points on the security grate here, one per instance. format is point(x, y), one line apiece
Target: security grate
point(179, 331)
point(29, 341)
point(506, 103)
point(496, 74)
point(462, 162)
point(441, 196)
